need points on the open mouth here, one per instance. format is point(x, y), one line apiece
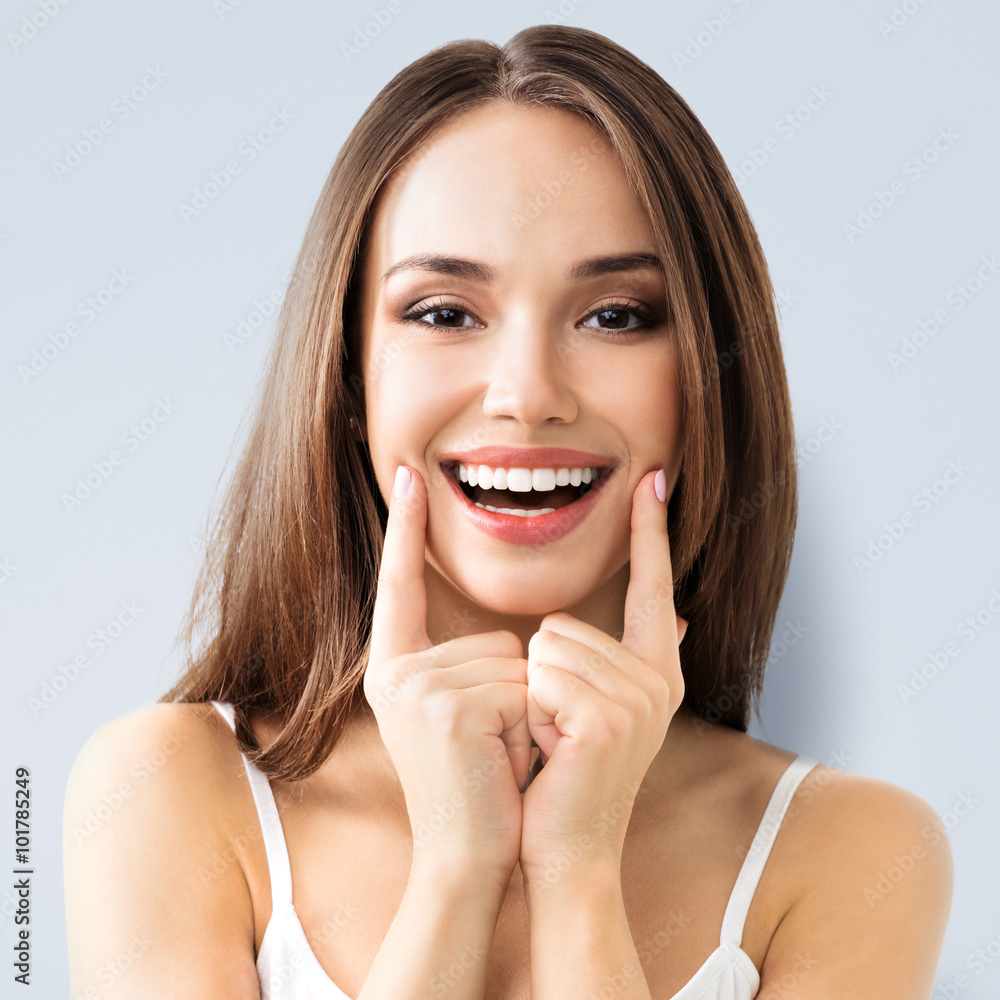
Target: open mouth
point(501, 500)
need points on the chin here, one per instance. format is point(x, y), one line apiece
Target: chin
point(513, 594)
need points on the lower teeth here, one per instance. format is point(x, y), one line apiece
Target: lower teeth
point(516, 510)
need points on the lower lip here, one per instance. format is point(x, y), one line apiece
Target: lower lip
point(521, 530)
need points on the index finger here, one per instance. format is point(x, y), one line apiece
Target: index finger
point(399, 619)
point(650, 619)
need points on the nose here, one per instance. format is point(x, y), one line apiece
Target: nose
point(528, 378)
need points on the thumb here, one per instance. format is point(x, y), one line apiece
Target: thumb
point(517, 740)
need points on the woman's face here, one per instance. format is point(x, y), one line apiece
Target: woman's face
point(509, 346)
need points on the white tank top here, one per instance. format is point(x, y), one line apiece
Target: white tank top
point(288, 968)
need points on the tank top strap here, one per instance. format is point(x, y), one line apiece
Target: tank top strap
point(753, 864)
point(270, 823)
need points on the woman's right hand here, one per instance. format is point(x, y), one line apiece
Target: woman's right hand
point(453, 717)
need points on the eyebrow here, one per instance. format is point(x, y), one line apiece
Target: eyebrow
point(459, 267)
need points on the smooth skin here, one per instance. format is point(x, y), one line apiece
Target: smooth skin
point(598, 710)
point(167, 889)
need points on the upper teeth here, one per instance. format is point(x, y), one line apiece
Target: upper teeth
point(523, 480)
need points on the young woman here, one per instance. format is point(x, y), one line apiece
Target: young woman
point(491, 597)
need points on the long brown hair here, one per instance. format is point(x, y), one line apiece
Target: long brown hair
point(283, 601)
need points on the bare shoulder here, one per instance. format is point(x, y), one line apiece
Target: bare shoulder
point(172, 756)
point(874, 877)
point(156, 897)
point(168, 738)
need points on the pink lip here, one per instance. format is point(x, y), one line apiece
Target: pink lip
point(506, 457)
point(539, 530)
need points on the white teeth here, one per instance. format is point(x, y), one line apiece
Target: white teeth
point(521, 480)
point(543, 479)
point(516, 510)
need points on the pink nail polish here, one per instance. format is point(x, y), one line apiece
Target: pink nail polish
point(402, 484)
point(660, 485)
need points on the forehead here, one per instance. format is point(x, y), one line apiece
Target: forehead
point(503, 183)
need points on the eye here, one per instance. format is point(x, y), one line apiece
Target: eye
point(619, 308)
point(453, 315)
point(439, 307)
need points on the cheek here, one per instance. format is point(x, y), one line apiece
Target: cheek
point(411, 395)
point(647, 401)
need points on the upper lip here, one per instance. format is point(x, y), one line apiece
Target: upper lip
point(510, 457)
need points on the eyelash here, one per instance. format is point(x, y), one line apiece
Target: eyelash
point(647, 318)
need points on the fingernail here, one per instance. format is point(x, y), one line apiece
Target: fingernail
point(660, 485)
point(402, 484)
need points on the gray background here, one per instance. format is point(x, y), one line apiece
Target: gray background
point(872, 436)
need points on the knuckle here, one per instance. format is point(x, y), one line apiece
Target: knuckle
point(540, 643)
point(608, 726)
point(445, 713)
point(511, 642)
point(396, 673)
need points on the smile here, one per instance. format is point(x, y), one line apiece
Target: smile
point(523, 505)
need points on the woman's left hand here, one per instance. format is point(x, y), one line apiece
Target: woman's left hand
point(599, 710)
